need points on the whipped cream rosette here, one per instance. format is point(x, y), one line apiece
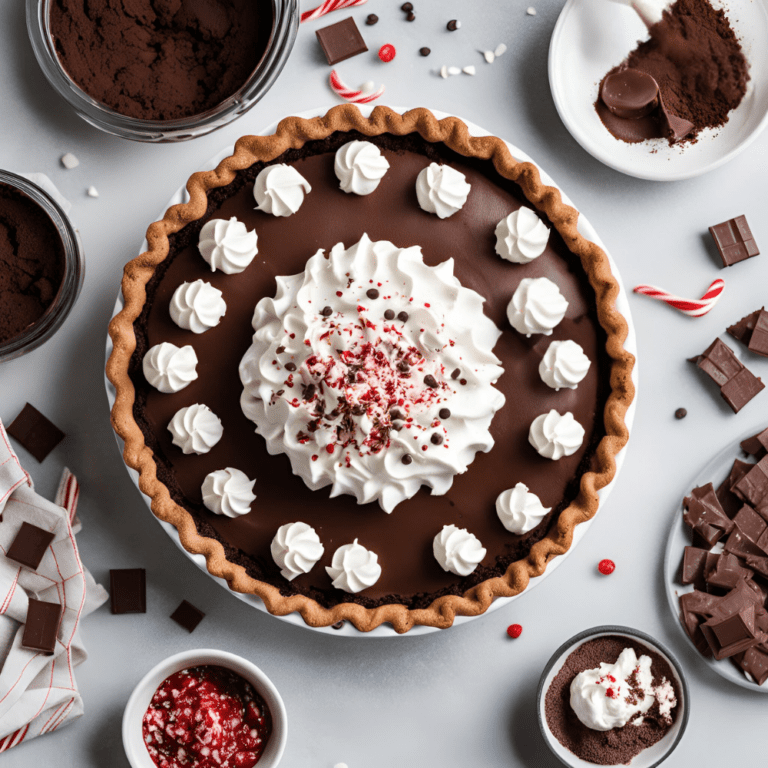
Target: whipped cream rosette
point(280, 190)
point(228, 245)
point(360, 167)
point(521, 236)
point(373, 372)
point(169, 368)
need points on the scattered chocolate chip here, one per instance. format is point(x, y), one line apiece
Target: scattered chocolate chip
point(341, 41)
point(29, 545)
point(463, 382)
point(309, 391)
point(325, 312)
point(187, 616)
point(41, 626)
point(389, 314)
point(35, 432)
point(455, 373)
point(407, 7)
point(453, 25)
point(395, 414)
point(280, 350)
point(411, 17)
point(338, 624)
point(402, 317)
point(128, 590)
point(430, 381)
point(444, 414)
point(425, 51)
point(371, 19)
point(290, 366)
point(372, 293)
point(397, 425)
point(403, 367)
point(358, 410)
point(681, 413)
point(407, 459)
point(436, 439)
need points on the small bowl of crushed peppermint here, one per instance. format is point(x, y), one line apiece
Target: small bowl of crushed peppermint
point(205, 709)
point(612, 696)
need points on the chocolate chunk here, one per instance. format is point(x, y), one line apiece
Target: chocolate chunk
point(750, 523)
point(738, 544)
point(729, 501)
point(41, 626)
point(403, 367)
point(425, 51)
point(452, 25)
point(407, 459)
point(757, 445)
point(738, 385)
point(703, 513)
point(758, 343)
point(128, 590)
point(411, 17)
point(444, 414)
point(436, 439)
point(402, 317)
point(734, 241)
point(389, 314)
point(372, 293)
point(753, 487)
point(727, 572)
point(341, 41)
point(674, 127)
point(187, 616)
point(326, 311)
point(290, 367)
point(371, 19)
point(455, 373)
point(395, 413)
point(407, 7)
point(430, 381)
point(744, 329)
point(681, 413)
point(280, 350)
point(754, 661)
point(731, 634)
point(694, 567)
point(35, 432)
point(630, 93)
point(759, 564)
point(29, 545)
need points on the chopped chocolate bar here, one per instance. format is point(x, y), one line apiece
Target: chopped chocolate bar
point(187, 616)
point(758, 563)
point(752, 331)
point(128, 590)
point(734, 240)
point(41, 626)
point(29, 545)
point(727, 572)
point(738, 385)
point(738, 544)
point(757, 445)
point(35, 432)
point(729, 501)
point(705, 516)
point(750, 523)
point(694, 567)
point(731, 634)
point(754, 661)
point(341, 41)
point(753, 487)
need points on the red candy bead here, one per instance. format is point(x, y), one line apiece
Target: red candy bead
point(606, 567)
point(514, 630)
point(387, 52)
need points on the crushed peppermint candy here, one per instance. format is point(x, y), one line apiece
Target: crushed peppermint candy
point(92, 192)
point(531, 11)
point(470, 70)
point(69, 161)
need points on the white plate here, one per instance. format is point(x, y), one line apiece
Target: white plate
point(593, 36)
point(679, 538)
point(385, 630)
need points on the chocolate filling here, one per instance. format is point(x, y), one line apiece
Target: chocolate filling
point(403, 540)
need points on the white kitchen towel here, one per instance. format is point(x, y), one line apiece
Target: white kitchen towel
point(38, 691)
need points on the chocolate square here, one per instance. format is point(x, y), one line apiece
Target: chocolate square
point(703, 513)
point(341, 41)
point(759, 341)
point(742, 329)
point(758, 563)
point(750, 523)
point(753, 487)
point(729, 501)
point(694, 564)
point(738, 544)
point(732, 634)
point(734, 240)
point(727, 572)
point(128, 590)
point(35, 432)
point(754, 661)
point(187, 616)
point(757, 445)
point(41, 626)
point(29, 545)
point(741, 389)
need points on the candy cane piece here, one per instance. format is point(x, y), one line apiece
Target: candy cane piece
point(353, 97)
point(68, 493)
point(327, 7)
point(690, 307)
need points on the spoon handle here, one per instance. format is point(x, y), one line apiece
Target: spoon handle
point(650, 11)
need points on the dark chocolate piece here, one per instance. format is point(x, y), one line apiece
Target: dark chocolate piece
point(371, 19)
point(754, 661)
point(452, 25)
point(411, 17)
point(759, 564)
point(729, 501)
point(341, 41)
point(681, 413)
point(727, 572)
point(29, 545)
point(752, 525)
point(759, 341)
point(41, 626)
point(35, 432)
point(128, 590)
point(738, 544)
point(630, 93)
point(703, 513)
point(731, 634)
point(187, 616)
point(757, 445)
point(738, 385)
point(674, 127)
point(425, 51)
point(753, 486)
point(694, 567)
point(734, 241)
point(407, 7)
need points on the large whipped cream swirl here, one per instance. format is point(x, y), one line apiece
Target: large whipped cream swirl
point(521, 236)
point(197, 306)
point(612, 695)
point(441, 189)
point(227, 245)
point(520, 510)
point(556, 435)
point(360, 166)
point(373, 372)
point(354, 568)
point(169, 368)
point(280, 190)
point(564, 365)
point(228, 492)
point(195, 429)
point(457, 550)
point(537, 306)
point(296, 548)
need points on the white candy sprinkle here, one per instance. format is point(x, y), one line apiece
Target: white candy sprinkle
point(470, 70)
point(500, 49)
point(454, 71)
point(367, 87)
point(489, 56)
point(69, 161)
point(443, 71)
point(92, 192)
point(531, 11)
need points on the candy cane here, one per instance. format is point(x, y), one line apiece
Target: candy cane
point(690, 307)
point(327, 7)
point(68, 493)
point(354, 97)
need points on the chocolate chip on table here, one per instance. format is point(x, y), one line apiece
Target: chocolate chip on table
point(187, 616)
point(453, 25)
point(35, 432)
point(425, 51)
point(411, 17)
point(430, 381)
point(325, 312)
point(407, 7)
point(444, 414)
point(371, 19)
point(402, 317)
point(407, 459)
point(436, 439)
point(372, 293)
point(681, 413)
point(389, 314)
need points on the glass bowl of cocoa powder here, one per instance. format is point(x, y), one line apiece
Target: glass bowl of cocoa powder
point(171, 70)
point(41, 266)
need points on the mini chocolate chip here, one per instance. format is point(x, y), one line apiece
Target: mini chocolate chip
point(455, 373)
point(407, 459)
point(681, 413)
point(326, 311)
point(338, 624)
point(371, 19)
point(425, 51)
point(313, 426)
point(309, 392)
point(436, 438)
point(444, 414)
point(430, 381)
point(372, 293)
point(453, 25)
point(463, 382)
point(395, 414)
point(402, 317)
point(290, 366)
point(389, 314)
point(280, 350)
point(403, 367)
point(397, 425)
point(411, 17)
point(406, 7)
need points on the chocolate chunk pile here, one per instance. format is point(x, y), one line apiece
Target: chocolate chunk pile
point(725, 615)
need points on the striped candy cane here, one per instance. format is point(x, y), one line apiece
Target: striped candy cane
point(690, 307)
point(353, 97)
point(68, 493)
point(327, 7)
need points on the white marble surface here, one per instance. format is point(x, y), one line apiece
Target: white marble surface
point(464, 697)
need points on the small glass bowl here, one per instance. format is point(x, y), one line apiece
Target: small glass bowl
point(286, 25)
point(74, 272)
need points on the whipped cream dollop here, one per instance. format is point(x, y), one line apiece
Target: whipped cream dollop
point(360, 166)
point(521, 237)
point(227, 245)
point(613, 695)
point(197, 306)
point(169, 368)
point(441, 190)
point(537, 306)
point(228, 492)
point(555, 435)
point(520, 510)
point(354, 568)
point(564, 365)
point(373, 372)
point(296, 548)
point(195, 429)
point(280, 190)
point(457, 550)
